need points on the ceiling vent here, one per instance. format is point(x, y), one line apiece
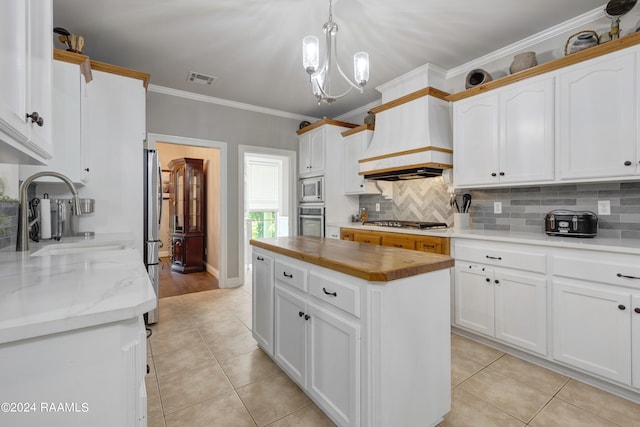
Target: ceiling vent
point(200, 79)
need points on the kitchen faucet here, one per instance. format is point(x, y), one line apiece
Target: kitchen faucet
point(22, 243)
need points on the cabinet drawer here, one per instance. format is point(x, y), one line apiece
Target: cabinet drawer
point(595, 269)
point(502, 255)
point(366, 238)
point(399, 242)
point(293, 276)
point(431, 244)
point(346, 235)
point(339, 294)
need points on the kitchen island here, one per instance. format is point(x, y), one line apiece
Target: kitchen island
point(72, 337)
point(362, 329)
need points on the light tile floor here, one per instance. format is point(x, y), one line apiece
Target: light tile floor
point(206, 370)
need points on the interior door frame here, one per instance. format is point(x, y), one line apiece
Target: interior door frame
point(243, 150)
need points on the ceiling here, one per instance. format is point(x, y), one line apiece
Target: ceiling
point(253, 47)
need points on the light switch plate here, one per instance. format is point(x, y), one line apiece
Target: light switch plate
point(497, 207)
point(604, 207)
point(377, 207)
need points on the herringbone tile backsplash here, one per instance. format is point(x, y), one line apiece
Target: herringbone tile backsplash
point(415, 200)
point(523, 208)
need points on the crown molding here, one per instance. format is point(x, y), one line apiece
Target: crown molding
point(360, 110)
point(227, 103)
point(564, 27)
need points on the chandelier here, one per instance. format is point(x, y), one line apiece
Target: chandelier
point(320, 76)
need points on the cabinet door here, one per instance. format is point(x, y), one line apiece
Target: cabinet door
point(13, 63)
point(475, 140)
point(333, 377)
point(474, 303)
point(262, 299)
point(177, 251)
point(317, 153)
point(347, 235)
point(40, 60)
point(304, 147)
point(597, 118)
point(70, 151)
point(521, 310)
point(290, 344)
point(635, 340)
point(592, 329)
point(354, 147)
point(527, 132)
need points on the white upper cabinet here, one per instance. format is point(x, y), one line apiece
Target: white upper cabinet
point(312, 152)
point(598, 114)
point(26, 62)
point(355, 145)
point(505, 136)
point(70, 143)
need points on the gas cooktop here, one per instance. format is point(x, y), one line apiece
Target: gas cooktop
point(406, 224)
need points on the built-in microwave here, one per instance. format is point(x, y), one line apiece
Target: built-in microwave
point(312, 189)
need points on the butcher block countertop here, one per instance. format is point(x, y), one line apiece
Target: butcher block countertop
point(369, 262)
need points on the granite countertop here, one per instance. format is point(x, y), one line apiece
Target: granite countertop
point(370, 262)
point(626, 246)
point(77, 283)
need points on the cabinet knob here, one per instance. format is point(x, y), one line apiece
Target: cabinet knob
point(497, 282)
point(86, 169)
point(35, 118)
point(493, 174)
point(501, 173)
point(627, 163)
point(361, 185)
point(300, 313)
point(487, 279)
point(307, 317)
point(260, 258)
point(622, 307)
point(637, 310)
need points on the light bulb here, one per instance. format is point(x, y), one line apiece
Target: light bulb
point(361, 68)
point(310, 54)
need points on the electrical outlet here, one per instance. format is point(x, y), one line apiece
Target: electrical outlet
point(377, 207)
point(604, 207)
point(497, 207)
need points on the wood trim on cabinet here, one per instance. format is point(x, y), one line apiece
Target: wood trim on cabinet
point(77, 58)
point(319, 123)
point(427, 91)
point(404, 153)
point(574, 58)
point(357, 129)
point(121, 71)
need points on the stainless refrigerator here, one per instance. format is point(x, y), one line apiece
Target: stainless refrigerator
point(152, 218)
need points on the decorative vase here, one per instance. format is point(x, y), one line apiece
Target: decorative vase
point(370, 119)
point(477, 77)
point(580, 41)
point(522, 61)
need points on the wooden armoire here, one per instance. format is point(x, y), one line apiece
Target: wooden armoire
point(186, 210)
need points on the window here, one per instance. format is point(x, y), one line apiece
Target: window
point(263, 224)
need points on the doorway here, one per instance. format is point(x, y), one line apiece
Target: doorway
point(268, 196)
point(214, 158)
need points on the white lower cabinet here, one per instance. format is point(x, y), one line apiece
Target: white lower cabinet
point(262, 282)
point(592, 328)
point(495, 297)
point(320, 351)
point(510, 306)
point(596, 325)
